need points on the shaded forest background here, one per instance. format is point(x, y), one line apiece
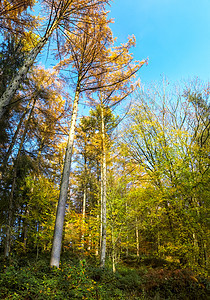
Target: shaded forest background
point(136, 199)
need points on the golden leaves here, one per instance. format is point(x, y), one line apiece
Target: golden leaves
point(14, 15)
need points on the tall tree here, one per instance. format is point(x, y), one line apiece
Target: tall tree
point(35, 141)
point(116, 83)
point(62, 16)
point(91, 59)
point(86, 46)
point(15, 17)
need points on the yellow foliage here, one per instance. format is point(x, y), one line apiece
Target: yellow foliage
point(30, 40)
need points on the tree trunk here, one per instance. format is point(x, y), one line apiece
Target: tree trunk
point(127, 239)
point(89, 241)
point(9, 224)
point(113, 252)
point(10, 212)
point(18, 79)
point(83, 217)
point(58, 231)
point(103, 192)
point(25, 229)
point(84, 200)
point(137, 238)
point(14, 138)
point(98, 241)
point(25, 221)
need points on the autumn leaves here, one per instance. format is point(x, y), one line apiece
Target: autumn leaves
point(96, 68)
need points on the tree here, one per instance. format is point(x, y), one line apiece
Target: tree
point(91, 61)
point(87, 175)
point(34, 143)
point(85, 180)
point(116, 84)
point(62, 16)
point(15, 17)
point(161, 139)
point(11, 58)
point(86, 45)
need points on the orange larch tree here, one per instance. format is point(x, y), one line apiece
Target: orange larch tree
point(85, 47)
point(62, 18)
point(115, 80)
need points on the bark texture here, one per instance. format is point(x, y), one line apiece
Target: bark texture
point(103, 192)
point(83, 218)
point(58, 231)
point(18, 79)
point(137, 238)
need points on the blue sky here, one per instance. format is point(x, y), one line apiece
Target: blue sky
point(173, 34)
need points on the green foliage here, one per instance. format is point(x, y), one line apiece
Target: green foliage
point(11, 59)
point(39, 281)
point(27, 277)
point(167, 135)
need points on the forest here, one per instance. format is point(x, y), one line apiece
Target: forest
point(104, 181)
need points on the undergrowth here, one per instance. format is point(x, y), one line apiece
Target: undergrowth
point(31, 278)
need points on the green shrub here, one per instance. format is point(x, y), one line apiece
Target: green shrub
point(42, 282)
point(28, 278)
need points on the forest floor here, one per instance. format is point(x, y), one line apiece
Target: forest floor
point(28, 277)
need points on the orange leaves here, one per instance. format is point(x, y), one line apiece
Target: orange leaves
point(85, 48)
point(96, 65)
point(116, 73)
point(14, 16)
point(15, 8)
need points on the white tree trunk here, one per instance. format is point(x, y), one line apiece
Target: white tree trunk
point(58, 231)
point(83, 217)
point(127, 239)
point(137, 238)
point(18, 79)
point(89, 241)
point(103, 192)
point(98, 242)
